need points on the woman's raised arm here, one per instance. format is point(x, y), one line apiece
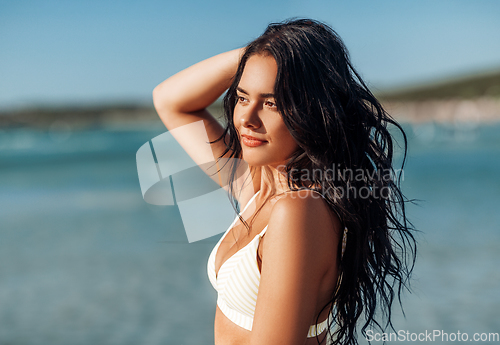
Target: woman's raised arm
point(183, 98)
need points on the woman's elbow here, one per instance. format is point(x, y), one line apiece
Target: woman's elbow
point(159, 100)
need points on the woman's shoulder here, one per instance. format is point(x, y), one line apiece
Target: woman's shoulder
point(304, 202)
point(302, 236)
point(304, 216)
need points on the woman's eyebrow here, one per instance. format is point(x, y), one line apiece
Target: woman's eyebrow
point(262, 95)
point(241, 90)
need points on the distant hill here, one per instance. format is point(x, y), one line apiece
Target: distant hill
point(466, 87)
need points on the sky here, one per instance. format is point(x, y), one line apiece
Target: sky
point(98, 52)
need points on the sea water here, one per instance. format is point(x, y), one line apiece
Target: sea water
point(84, 260)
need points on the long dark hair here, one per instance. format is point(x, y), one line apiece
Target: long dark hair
point(346, 151)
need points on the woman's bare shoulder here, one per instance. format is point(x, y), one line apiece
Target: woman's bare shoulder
point(306, 218)
point(298, 261)
point(306, 204)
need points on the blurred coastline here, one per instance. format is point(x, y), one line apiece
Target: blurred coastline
point(474, 98)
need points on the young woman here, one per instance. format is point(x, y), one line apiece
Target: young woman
point(323, 238)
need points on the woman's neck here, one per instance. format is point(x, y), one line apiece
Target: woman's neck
point(273, 182)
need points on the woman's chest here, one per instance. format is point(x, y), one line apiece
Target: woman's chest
point(239, 239)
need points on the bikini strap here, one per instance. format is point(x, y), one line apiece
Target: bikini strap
point(263, 231)
point(249, 202)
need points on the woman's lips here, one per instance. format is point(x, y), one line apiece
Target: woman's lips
point(251, 141)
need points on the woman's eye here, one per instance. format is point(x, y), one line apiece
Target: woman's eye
point(270, 104)
point(241, 99)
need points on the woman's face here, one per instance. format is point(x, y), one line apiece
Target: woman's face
point(264, 138)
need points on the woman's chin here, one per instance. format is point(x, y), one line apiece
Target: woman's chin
point(259, 161)
point(255, 160)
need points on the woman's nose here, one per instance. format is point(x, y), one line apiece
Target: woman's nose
point(250, 118)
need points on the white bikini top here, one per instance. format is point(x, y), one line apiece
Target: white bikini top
point(237, 282)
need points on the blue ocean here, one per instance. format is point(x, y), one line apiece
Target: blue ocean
point(85, 260)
